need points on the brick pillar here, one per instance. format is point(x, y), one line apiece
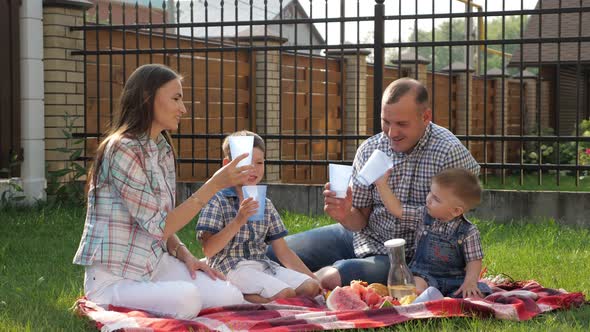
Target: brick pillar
point(355, 93)
point(464, 96)
point(267, 102)
point(414, 66)
point(64, 75)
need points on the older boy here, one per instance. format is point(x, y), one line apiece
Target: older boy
point(237, 247)
point(448, 247)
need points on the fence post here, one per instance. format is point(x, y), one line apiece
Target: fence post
point(378, 66)
point(355, 94)
point(63, 72)
point(267, 103)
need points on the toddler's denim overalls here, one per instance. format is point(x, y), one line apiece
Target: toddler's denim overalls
point(439, 259)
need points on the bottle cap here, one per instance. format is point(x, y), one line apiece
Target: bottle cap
point(394, 243)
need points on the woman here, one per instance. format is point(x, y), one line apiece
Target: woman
point(132, 255)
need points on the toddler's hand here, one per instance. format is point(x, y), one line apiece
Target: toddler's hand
point(384, 180)
point(248, 208)
point(469, 289)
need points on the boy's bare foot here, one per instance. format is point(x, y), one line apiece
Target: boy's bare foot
point(283, 294)
point(309, 288)
point(329, 277)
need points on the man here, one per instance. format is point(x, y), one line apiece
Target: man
point(353, 248)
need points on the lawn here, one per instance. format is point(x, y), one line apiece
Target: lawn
point(530, 181)
point(38, 283)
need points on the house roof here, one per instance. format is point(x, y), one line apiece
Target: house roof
point(257, 12)
point(409, 56)
point(275, 29)
point(458, 67)
point(550, 28)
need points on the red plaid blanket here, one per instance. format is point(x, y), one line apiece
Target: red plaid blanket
point(514, 301)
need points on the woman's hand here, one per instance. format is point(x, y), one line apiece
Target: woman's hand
point(193, 265)
point(230, 175)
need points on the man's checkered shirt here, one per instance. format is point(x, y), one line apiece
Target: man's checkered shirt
point(438, 149)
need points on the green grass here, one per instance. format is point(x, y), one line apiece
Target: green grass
point(531, 182)
point(38, 282)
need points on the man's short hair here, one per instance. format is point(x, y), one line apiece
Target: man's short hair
point(258, 142)
point(462, 183)
point(401, 87)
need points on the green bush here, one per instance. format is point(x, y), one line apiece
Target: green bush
point(64, 185)
point(547, 153)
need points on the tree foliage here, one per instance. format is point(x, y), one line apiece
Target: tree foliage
point(444, 55)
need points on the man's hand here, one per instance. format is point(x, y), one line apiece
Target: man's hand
point(337, 208)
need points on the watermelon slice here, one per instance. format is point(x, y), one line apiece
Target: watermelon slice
point(345, 298)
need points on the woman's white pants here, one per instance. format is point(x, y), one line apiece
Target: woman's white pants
point(171, 292)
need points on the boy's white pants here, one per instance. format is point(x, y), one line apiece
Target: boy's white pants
point(171, 292)
point(254, 277)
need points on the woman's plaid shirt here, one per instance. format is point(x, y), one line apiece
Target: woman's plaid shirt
point(438, 149)
point(124, 224)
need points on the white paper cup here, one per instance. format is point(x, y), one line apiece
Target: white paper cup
point(239, 145)
point(339, 179)
point(429, 294)
point(377, 164)
point(259, 195)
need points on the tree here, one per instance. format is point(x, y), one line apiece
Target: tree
point(442, 57)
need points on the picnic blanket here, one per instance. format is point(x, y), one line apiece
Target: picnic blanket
point(521, 300)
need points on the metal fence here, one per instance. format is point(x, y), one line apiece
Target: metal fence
point(509, 78)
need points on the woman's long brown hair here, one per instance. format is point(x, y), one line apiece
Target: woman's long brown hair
point(136, 111)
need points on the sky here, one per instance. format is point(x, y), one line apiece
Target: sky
point(392, 7)
point(353, 8)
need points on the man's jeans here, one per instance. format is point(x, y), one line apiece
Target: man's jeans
point(332, 246)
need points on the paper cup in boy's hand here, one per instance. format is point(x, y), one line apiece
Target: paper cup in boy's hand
point(259, 195)
point(375, 167)
point(239, 145)
point(339, 179)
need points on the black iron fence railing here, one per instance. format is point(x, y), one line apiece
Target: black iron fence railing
point(510, 78)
